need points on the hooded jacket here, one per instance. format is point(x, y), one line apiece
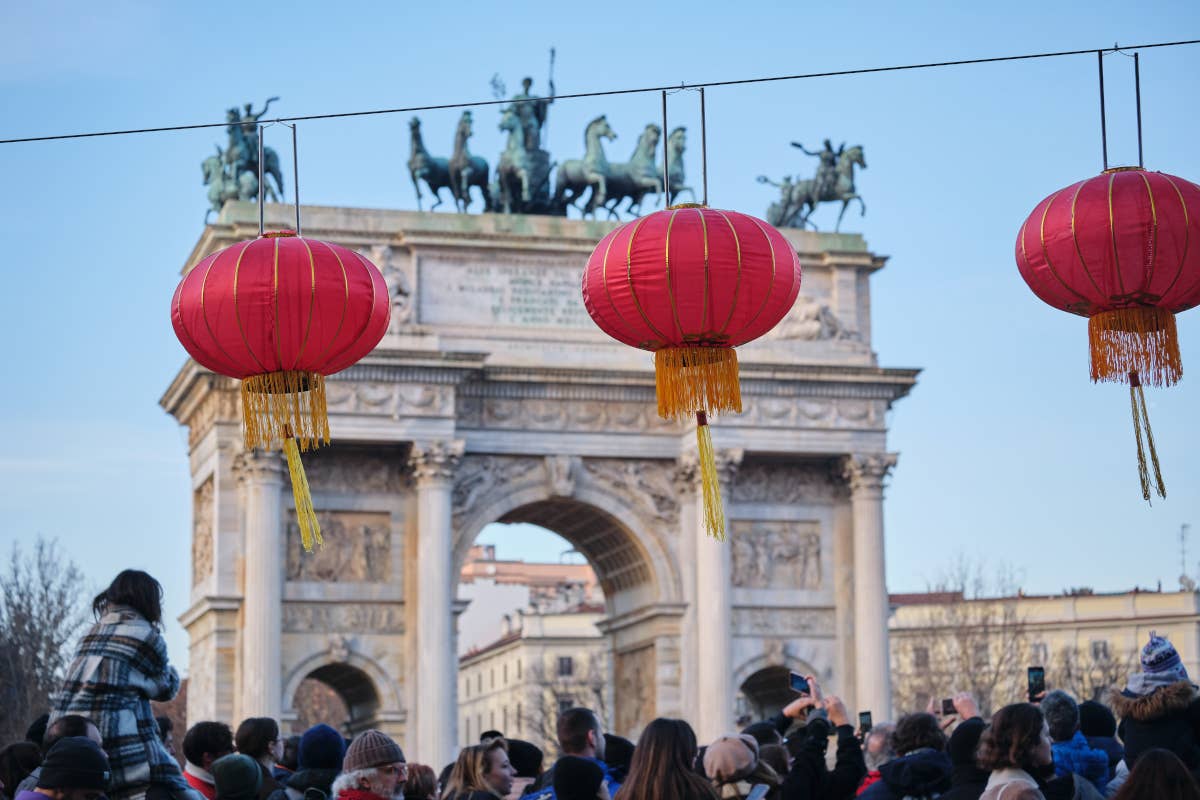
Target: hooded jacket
point(921, 773)
point(1168, 717)
point(1075, 756)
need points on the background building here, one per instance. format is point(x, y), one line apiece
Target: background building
point(945, 642)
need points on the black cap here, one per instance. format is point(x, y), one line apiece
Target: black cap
point(525, 757)
point(75, 762)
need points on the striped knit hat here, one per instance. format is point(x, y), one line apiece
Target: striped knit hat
point(371, 749)
point(1161, 666)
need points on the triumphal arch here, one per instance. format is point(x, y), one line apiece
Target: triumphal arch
point(492, 398)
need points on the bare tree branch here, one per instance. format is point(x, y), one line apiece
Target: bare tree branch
point(42, 609)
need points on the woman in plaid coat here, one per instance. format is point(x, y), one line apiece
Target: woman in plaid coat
point(119, 667)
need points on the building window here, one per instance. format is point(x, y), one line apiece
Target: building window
point(478, 724)
point(519, 723)
point(492, 719)
point(981, 655)
point(1100, 650)
point(920, 658)
point(466, 687)
point(566, 666)
point(504, 718)
point(467, 728)
point(479, 683)
point(1039, 654)
point(518, 669)
point(565, 704)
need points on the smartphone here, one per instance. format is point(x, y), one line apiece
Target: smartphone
point(948, 709)
point(1037, 681)
point(759, 791)
point(798, 683)
point(864, 722)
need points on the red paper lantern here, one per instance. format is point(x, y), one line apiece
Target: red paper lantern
point(281, 312)
point(1123, 250)
point(690, 284)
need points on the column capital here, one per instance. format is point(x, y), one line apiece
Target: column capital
point(259, 466)
point(866, 472)
point(435, 461)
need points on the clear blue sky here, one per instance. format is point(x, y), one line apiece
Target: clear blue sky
point(1008, 453)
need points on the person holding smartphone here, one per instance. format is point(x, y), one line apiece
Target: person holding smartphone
point(809, 776)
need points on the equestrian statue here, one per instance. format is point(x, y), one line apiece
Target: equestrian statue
point(233, 172)
point(833, 182)
point(467, 170)
point(424, 167)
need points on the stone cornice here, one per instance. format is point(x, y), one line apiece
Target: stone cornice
point(647, 612)
point(206, 604)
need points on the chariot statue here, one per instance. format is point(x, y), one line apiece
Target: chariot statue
point(833, 182)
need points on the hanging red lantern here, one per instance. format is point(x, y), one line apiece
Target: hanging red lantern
point(1123, 250)
point(280, 313)
point(690, 284)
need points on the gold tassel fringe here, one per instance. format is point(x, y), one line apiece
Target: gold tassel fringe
point(279, 405)
point(688, 378)
point(710, 484)
point(1141, 420)
point(306, 515)
point(1140, 339)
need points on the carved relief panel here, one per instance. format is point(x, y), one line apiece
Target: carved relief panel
point(358, 548)
point(202, 531)
point(353, 472)
point(634, 689)
point(776, 554)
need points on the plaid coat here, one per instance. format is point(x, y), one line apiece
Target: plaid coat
point(119, 667)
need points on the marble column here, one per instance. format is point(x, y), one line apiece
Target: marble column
point(714, 612)
point(261, 477)
point(865, 475)
point(686, 477)
point(436, 710)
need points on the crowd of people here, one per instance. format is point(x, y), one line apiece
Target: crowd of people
point(100, 739)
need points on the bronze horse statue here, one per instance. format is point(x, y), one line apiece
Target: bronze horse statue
point(523, 175)
point(636, 178)
point(799, 199)
point(578, 174)
point(467, 170)
point(424, 167)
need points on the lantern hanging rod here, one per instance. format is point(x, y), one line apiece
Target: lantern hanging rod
point(1137, 93)
point(614, 92)
point(666, 159)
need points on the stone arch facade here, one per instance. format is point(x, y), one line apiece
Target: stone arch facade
point(362, 683)
point(494, 398)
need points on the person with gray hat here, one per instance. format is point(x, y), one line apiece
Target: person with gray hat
point(75, 768)
point(374, 768)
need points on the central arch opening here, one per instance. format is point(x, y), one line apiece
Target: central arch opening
point(338, 694)
point(539, 584)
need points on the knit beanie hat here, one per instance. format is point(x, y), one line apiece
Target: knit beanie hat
point(577, 778)
point(321, 747)
point(1161, 666)
point(526, 758)
point(731, 758)
point(371, 749)
point(75, 762)
point(237, 777)
point(1095, 719)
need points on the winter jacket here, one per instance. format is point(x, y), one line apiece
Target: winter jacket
point(121, 665)
point(922, 773)
point(872, 778)
point(810, 779)
point(268, 786)
point(1071, 787)
point(967, 781)
point(1011, 784)
point(1168, 717)
point(543, 787)
point(307, 784)
point(201, 780)
point(1111, 747)
point(1075, 757)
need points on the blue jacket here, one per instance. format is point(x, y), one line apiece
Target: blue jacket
point(546, 791)
point(1075, 756)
